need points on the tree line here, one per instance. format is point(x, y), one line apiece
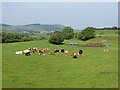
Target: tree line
point(68, 33)
point(108, 28)
point(18, 37)
point(56, 37)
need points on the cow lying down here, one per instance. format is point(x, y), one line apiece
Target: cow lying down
point(41, 53)
point(44, 49)
point(19, 52)
point(106, 50)
point(58, 51)
point(71, 54)
point(25, 51)
point(51, 53)
point(66, 52)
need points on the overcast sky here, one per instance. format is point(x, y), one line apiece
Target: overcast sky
point(75, 14)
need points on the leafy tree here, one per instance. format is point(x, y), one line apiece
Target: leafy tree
point(67, 30)
point(75, 35)
point(15, 37)
point(10, 37)
point(67, 33)
point(56, 38)
point(87, 33)
point(114, 28)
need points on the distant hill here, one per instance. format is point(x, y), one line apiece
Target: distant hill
point(5, 25)
point(32, 28)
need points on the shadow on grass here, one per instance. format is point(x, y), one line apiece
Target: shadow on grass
point(58, 43)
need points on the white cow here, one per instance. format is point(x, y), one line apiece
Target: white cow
point(19, 52)
point(66, 51)
point(25, 51)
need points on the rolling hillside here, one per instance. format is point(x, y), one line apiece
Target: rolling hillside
point(32, 28)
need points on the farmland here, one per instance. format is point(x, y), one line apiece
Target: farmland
point(96, 69)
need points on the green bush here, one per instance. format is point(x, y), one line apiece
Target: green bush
point(10, 37)
point(56, 38)
point(86, 34)
point(67, 33)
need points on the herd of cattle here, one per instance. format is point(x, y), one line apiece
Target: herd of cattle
point(44, 51)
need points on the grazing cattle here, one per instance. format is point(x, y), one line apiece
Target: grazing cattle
point(25, 51)
point(41, 53)
point(62, 50)
point(75, 56)
point(51, 53)
point(66, 52)
point(27, 54)
point(57, 51)
point(45, 52)
point(33, 51)
point(81, 55)
point(36, 48)
point(106, 50)
point(80, 52)
point(19, 52)
point(71, 54)
point(43, 49)
point(29, 48)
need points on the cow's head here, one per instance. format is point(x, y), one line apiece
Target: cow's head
point(47, 48)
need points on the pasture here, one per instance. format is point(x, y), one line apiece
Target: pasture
point(96, 69)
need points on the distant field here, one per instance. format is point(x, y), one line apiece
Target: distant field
point(33, 28)
point(97, 69)
point(107, 32)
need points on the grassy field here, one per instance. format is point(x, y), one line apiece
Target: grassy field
point(96, 69)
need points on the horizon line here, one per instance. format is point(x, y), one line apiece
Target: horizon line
point(62, 25)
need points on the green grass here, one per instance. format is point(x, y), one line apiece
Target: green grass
point(97, 69)
point(107, 32)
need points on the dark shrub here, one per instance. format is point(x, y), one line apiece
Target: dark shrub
point(67, 33)
point(86, 34)
point(56, 38)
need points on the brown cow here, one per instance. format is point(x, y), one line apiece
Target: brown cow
point(71, 54)
point(81, 55)
point(51, 53)
point(43, 49)
point(106, 50)
point(33, 51)
point(45, 52)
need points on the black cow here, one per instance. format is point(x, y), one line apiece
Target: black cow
point(62, 50)
point(27, 54)
point(29, 48)
point(57, 51)
point(75, 56)
point(40, 51)
point(80, 52)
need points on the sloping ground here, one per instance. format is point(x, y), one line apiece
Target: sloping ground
point(32, 28)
